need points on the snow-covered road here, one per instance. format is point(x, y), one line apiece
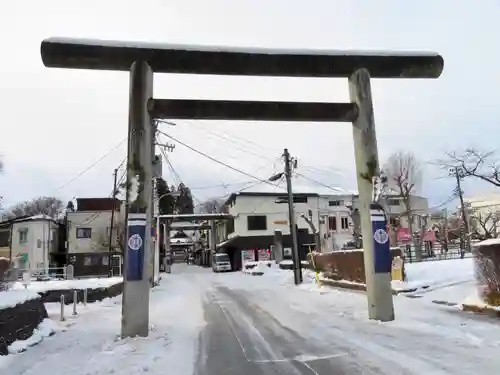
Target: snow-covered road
point(221, 324)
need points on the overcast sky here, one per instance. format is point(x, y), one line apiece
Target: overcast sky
point(56, 123)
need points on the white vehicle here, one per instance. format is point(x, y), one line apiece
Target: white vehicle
point(221, 262)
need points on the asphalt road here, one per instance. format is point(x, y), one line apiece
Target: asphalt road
point(243, 339)
point(255, 328)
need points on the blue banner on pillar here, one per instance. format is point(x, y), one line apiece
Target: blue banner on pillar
point(136, 230)
point(382, 257)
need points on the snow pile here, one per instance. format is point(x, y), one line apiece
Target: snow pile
point(11, 298)
point(45, 329)
point(436, 274)
point(261, 268)
point(94, 283)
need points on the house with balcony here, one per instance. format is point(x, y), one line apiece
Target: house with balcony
point(259, 212)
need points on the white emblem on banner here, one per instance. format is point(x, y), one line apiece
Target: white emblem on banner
point(380, 236)
point(135, 242)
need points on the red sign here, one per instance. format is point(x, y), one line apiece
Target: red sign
point(403, 235)
point(430, 235)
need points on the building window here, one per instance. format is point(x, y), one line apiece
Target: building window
point(257, 222)
point(344, 222)
point(23, 235)
point(83, 232)
point(229, 226)
point(332, 223)
point(393, 221)
point(335, 203)
point(4, 238)
point(393, 202)
point(296, 199)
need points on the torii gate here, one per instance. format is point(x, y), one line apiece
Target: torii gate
point(142, 59)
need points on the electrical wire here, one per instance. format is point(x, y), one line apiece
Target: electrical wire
point(91, 165)
point(175, 172)
point(321, 184)
point(229, 137)
point(215, 160)
point(448, 200)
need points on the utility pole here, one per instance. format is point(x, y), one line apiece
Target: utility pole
point(445, 213)
point(291, 218)
point(136, 288)
point(458, 177)
point(111, 224)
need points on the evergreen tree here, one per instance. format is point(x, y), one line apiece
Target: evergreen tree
point(167, 201)
point(184, 202)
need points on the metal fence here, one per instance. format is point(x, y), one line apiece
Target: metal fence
point(434, 253)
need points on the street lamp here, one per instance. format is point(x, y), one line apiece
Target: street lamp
point(156, 259)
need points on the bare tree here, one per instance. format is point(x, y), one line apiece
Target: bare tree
point(485, 225)
point(483, 165)
point(356, 226)
point(404, 176)
point(50, 206)
point(212, 206)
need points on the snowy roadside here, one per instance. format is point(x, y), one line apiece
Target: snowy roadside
point(91, 283)
point(89, 343)
point(447, 282)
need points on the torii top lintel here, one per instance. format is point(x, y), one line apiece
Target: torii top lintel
point(190, 59)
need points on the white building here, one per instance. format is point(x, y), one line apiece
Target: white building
point(396, 209)
point(89, 225)
point(484, 214)
point(33, 240)
point(336, 227)
point(258, 213)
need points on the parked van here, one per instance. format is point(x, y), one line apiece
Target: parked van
point(221, 262)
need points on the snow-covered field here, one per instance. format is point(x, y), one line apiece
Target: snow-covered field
point(202, 322)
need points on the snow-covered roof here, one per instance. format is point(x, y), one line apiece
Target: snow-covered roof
point(298, 187)
point(489, 242)
point(36, 217)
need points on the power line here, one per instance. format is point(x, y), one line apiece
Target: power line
point(228, 137)
point(91, 165)
point(220, 185)
point(321, 184)
point(216, 160)
point(175, 172)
